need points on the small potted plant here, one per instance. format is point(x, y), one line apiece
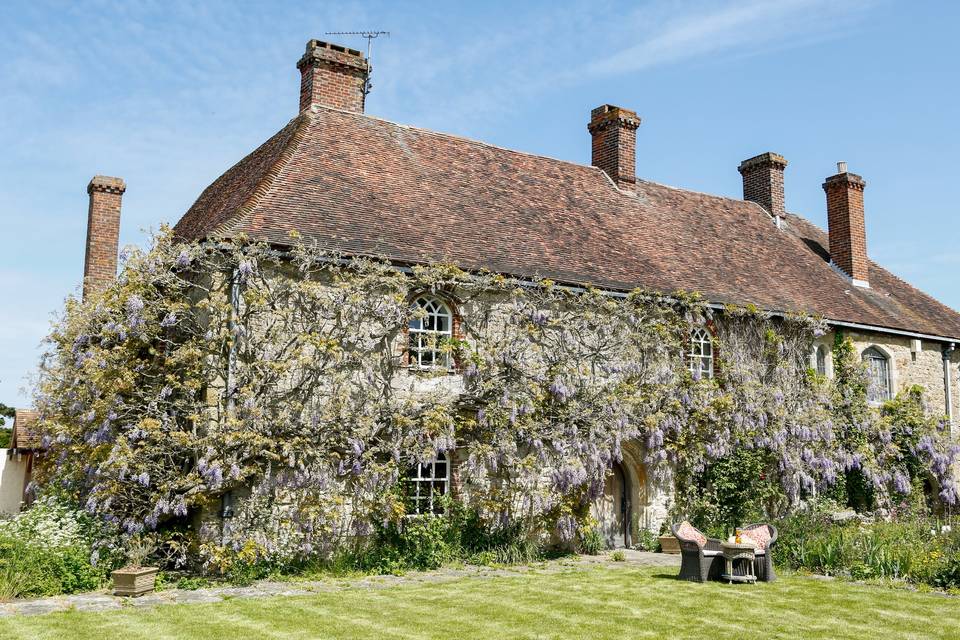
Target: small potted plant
point(135, 579)
point(668, 544)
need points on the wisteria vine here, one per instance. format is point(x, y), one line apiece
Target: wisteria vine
point(279, 376)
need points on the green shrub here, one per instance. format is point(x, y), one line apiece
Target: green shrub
point(47, 550)
point(417, 542)
point(591, 541)
point(29, 570)
point(646, 540)
point(243, 573)
point(428, 541)
point(618, 556)
point(947, 575)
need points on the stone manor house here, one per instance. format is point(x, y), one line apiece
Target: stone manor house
point(362, 185)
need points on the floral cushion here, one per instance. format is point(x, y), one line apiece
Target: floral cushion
point(689, 532)
point(760, 536)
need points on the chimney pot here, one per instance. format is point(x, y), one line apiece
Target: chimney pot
point(103, 232)
point(846, 224)
point(332, 75)
point(763, 182)
point(614, 147)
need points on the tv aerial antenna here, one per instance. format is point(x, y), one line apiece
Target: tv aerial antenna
point(370, 36)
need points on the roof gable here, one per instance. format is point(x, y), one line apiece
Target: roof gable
point(362, 185)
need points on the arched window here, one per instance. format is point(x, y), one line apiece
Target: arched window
point(700, 358)
point(820, 359)
point(878, 375)
point(426, 484)
point(430, 326)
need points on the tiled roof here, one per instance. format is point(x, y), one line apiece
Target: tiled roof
point(363, 185)
point(24, 436)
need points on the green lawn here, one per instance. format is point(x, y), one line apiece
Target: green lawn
point(582, 602)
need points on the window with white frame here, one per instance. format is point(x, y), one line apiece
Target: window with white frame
point(426, 484)
point(878, 375)
point(431, 326)
point(700, 356)
point(820, 360)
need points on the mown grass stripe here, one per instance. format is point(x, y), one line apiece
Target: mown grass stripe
point(573, 602)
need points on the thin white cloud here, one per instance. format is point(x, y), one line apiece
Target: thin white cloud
point(492, 72)
point(738, 28)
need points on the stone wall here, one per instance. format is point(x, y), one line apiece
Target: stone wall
point(908, 366)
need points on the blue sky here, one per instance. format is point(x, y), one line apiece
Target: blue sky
point(168, 95)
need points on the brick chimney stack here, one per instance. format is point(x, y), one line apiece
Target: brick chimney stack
point(763, 182)
point(103, 233)
point(845, 222)
point(614, 132)
point(332, 75)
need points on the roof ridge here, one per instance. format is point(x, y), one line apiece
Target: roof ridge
point(242, 213)
point(454, 136)
point(709, 195)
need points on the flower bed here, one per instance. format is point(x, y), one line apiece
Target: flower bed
point(915, 549)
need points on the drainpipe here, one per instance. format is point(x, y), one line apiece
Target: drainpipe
point(947, 352)
point(232, 356)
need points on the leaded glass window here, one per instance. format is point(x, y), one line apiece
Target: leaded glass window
point(426, 484)
point(878, 375)
point(430, 328)
point(700, 357)
point(821, 360)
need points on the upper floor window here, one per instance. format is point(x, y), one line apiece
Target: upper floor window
point(820, 360)
point(426, 484)
point(878, 375)
point(430, 327)
point(700, 357)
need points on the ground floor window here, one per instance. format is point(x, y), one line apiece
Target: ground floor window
point(426, 484)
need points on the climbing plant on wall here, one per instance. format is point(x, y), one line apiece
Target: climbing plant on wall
point(279, 378)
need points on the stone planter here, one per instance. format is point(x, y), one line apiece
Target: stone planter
point(134, 581)
point(669, 544)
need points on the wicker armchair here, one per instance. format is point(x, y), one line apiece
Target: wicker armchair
point(763, 565)
point(698, 563)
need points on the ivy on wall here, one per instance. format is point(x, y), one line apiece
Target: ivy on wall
point(221, 367)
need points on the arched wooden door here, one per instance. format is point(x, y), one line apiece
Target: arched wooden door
point(612, 509)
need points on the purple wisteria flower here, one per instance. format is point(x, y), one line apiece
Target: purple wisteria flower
point(566, 528)
point(559, 390)
point(538, 317)
point(245, 270)
point(134, 306)
point(901, 482)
